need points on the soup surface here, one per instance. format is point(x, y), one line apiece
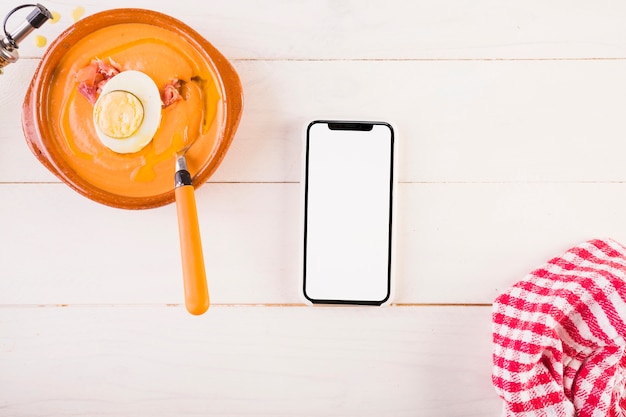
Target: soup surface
point(195, 120)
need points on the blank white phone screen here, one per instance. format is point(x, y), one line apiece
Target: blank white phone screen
point(348, 196)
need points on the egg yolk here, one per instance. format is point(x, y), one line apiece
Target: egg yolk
point(118, 114)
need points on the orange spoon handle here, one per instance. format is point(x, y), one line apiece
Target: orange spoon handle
point(194, 275)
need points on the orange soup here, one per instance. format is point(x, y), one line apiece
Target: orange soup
point(195, 120)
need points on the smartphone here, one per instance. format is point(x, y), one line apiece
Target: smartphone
point(348, 212)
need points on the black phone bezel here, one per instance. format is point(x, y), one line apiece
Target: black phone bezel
point(355, 126)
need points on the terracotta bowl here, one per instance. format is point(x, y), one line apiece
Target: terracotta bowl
point(39, 115)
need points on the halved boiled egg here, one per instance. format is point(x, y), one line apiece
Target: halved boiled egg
point(127, 113)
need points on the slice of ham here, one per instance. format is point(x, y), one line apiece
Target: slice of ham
point(94, 76)
point(171, 93)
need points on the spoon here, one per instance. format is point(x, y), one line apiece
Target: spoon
point(194, 274)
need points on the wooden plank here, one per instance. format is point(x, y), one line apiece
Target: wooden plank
point(469, 242)
point(469, 121)
point(456, 243)
point(59, 247)
point(17, 163)
point(159, 361)
point(444, 29)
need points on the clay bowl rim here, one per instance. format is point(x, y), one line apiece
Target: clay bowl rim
point(34, 117)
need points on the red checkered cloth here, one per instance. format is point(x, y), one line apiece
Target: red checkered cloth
point(559, 333)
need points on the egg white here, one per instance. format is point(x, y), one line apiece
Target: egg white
point(143, 87)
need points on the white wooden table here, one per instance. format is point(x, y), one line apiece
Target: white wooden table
point(510, 121)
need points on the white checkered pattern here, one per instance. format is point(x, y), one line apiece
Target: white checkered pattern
point(559, 336)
